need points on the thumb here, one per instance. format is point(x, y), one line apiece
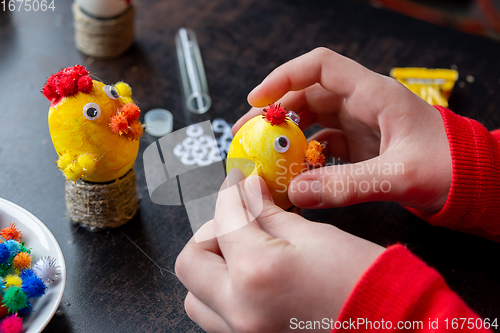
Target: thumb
point(271, 218)
point(258, 199)
point(376, 179)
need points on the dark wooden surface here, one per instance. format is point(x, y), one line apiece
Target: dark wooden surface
point(118, 280)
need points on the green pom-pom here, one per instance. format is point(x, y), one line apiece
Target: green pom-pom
point(14, 299)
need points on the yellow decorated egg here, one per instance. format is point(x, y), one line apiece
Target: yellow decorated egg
point(273, 146)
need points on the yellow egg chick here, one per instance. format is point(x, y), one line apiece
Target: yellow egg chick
point(94, 127)
point(273, 146)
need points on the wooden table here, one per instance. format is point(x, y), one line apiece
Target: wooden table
point(118, 281)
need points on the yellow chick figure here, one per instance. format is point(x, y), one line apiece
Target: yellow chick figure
point(273, 146)
point(94, 127)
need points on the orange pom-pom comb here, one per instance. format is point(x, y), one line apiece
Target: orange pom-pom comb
point(119, 124)
point(131, 112)
point(314, 154)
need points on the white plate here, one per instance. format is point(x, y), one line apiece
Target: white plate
point(37, 237)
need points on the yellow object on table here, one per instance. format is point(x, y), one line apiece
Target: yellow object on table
point(94, 127)
point(273, 147)
point(432, 85)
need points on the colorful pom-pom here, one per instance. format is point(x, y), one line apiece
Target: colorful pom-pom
point(119, 124)
point(131, 112)
point(46, 269)
point(4, 253)
point(11, 232)
point(27, 273)
point(13, 280)
point(14, 299)
point(124, 89)
point(85, 84)
point(22, 260)
point(314, 154)
point(135, 130)
point(18, 282)
point(67, 82)
point(13, 246)
point(12, 324)
point(33, 287)
point(275, 114)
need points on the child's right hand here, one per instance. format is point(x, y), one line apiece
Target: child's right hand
point(395, 140)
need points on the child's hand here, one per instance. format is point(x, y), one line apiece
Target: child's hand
point(269, 271)
point(396, 140)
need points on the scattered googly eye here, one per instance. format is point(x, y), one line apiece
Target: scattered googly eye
point(190, 143)
point(206, 141)
point(180, 150)
point(194, 131)
point(91, 111)
point(281, 144)
point(219, 125)
point(188, 159)
point(199, 151)
point(203, 160)
point(111, 91)
point(216, 155)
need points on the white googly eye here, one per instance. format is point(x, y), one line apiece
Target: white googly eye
point(91, 111)
point(111, 92)
point(281, 144)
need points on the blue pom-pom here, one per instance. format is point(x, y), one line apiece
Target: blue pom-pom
point(13, 246)
point(33, 287)
point(26, 273)
point(4, 253)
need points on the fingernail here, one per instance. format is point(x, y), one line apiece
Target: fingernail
point(253, 183)
point(235, 176)
point(306, 193)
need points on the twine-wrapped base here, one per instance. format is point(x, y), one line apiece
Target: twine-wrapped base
point(97, 206)
point(103, 38)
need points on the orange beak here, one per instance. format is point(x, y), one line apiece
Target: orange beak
point(126, 122)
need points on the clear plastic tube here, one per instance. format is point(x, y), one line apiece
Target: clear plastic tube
point(192, 72)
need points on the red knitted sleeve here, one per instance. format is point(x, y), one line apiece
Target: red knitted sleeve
point(402, 293)
point(473, 203)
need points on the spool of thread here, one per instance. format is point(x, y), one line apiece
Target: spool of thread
point(103, 37)
point(98, 206)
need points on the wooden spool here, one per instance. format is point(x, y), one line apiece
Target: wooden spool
point(103, 38)
point(98, 206)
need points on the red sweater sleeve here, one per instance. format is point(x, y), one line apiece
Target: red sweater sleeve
point(474, 199)
point(402, 293)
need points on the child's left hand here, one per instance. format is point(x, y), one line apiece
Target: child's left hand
point(277, 267)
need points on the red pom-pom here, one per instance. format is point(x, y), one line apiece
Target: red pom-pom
point(85, 84)
point(12, 324)
point(77, 70)
point(131, 112)
point(67, 82)
point(66, 86)
point(275, 114)
point(119, 124)
point(49, 92)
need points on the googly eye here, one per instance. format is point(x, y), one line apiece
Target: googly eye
point(91, 111)
point(111, 91)
point(281, 144)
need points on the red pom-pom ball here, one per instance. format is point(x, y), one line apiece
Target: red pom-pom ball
point(275, 114)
